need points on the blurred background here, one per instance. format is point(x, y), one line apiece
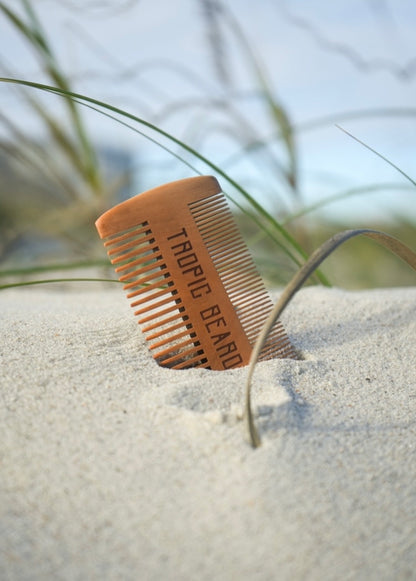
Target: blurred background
point(269, 93)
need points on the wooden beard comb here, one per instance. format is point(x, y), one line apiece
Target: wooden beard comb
point(198, 297)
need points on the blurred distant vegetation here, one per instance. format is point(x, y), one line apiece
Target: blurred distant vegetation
point(52, 190)
point(359, 264)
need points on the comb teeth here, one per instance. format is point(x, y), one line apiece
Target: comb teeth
point(189, 276)
point(238, 273)
point(147, 279)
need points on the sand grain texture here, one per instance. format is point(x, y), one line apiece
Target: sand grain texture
point(114, 468)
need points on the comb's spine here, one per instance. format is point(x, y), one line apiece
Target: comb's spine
point(238, 273)
point(161, 313)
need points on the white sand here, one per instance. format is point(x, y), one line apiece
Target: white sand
point(113, 468)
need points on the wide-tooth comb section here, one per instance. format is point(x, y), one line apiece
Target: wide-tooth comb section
point(189, 277)
point(238, 273)
point(142, 268)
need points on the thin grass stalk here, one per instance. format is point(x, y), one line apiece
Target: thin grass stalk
point(264, 229)
point(53, 280)
point(52, 68)
point(52, 267)
point(33, 155)
point(404, 174)
point(369, 189)
point(320, 122)
point(278, 112)
point(35, 35)
point(315, 260)
point(61, 139)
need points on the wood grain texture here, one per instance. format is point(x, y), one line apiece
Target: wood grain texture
point(196, 292)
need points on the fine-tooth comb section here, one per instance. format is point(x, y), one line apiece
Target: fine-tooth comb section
point(189, 276)
point(238, 273)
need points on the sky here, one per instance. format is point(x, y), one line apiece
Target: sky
point(347, 63)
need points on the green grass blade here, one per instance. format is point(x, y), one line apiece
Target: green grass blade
point(61, 139)
point(16, 21)
point(293, 248)
point(277, 113)
point(53, 267)
point(264, 229)
point(36, 36)
point(54, 280)
point(32, 154)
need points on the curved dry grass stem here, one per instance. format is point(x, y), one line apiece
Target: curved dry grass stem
point(295, 284)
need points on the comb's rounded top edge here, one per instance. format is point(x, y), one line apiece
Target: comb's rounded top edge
point(189, 189)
